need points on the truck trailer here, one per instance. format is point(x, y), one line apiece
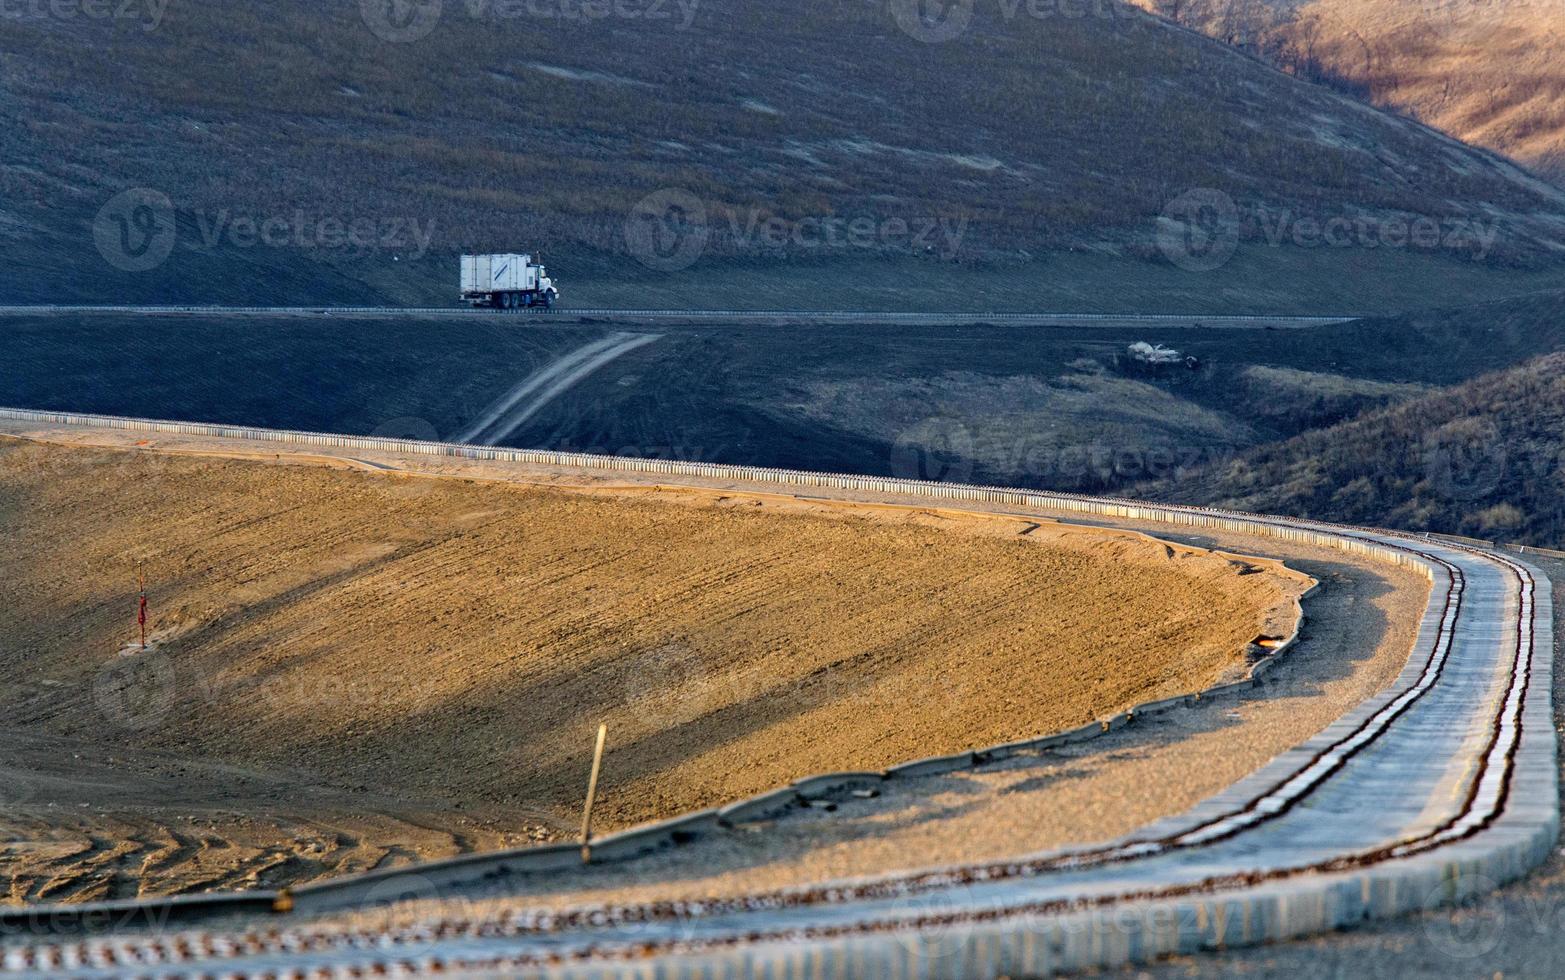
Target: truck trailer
point(506, 281)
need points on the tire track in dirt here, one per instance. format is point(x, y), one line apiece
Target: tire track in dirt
point(511, 410)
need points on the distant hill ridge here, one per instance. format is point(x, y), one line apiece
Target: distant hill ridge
point(767, 133)
point(1485, 72)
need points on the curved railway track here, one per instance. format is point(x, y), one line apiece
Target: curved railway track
point(1442, 785)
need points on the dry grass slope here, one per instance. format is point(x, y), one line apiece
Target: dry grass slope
point(1485, 72)
point(1483, 458)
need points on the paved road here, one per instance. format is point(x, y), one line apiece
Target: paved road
point(567, 315)
point(1444, 782)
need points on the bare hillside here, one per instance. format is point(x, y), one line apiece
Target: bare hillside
point(768, 144)
point(1487, 72)
point(350, 670)
point(1484, 458)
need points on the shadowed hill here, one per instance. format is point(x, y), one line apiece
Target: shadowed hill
point(1484, 458)
point(761, 132)
point(1057, 409)
point(1443, 346)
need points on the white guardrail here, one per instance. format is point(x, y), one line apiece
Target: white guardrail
point(1102, 506)
point(1520, 834)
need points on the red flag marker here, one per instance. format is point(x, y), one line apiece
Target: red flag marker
point(141, 612)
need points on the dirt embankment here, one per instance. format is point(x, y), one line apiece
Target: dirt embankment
point(351, 669)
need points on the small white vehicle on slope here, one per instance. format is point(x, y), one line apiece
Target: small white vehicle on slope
point(506, 281)
point(1154, 354)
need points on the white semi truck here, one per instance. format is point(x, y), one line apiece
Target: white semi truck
point(506, 282)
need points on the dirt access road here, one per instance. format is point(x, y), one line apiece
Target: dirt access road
point(351, 669)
